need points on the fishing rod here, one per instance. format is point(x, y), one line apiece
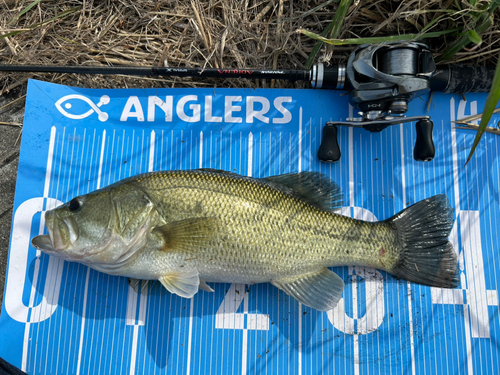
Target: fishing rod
point(381, 80)
point(289, 75)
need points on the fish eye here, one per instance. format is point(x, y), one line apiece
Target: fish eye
point(74, 204)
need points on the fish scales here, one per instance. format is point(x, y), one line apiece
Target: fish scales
point(252, 213)
point(185, 228)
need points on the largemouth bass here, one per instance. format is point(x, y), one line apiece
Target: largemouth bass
point(186, 228)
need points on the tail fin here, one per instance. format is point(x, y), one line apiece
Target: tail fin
point(426, 256)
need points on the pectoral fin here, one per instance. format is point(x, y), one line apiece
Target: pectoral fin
point(189, 234)
point(184, 284)
point(321, 291)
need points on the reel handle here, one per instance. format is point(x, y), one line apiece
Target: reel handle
point(329, 150)
point(424, 145)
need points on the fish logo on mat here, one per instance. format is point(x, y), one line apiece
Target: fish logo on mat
point(103, 116)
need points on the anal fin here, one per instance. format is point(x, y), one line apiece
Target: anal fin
point(320, 290)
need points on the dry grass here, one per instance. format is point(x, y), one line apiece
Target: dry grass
point(213, 33)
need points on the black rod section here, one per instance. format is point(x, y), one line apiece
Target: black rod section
point(293, 75)
point(461, 79)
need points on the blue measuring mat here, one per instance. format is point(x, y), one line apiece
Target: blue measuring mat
point(64, 318)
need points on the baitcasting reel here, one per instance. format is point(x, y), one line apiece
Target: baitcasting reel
point(382, 80)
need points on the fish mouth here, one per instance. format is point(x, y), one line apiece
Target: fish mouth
point(63, 232)
point(53, 242)
point(58, 230)
point(43, 243)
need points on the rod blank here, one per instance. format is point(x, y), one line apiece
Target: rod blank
point(293, 75)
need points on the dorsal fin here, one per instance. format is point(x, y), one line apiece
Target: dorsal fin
point(213, 170)
point(314, 187)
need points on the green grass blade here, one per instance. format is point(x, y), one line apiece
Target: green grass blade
point(332, 31)
point(317, 46)
point(464, 40)
point(338, 19)
point(373, 40)
point(489, 107)
point(474, 37)
point(435, 21)
point(483, 22)
point(12, 33)
point(60, 15)
point(305, 14)
point(24, 11)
